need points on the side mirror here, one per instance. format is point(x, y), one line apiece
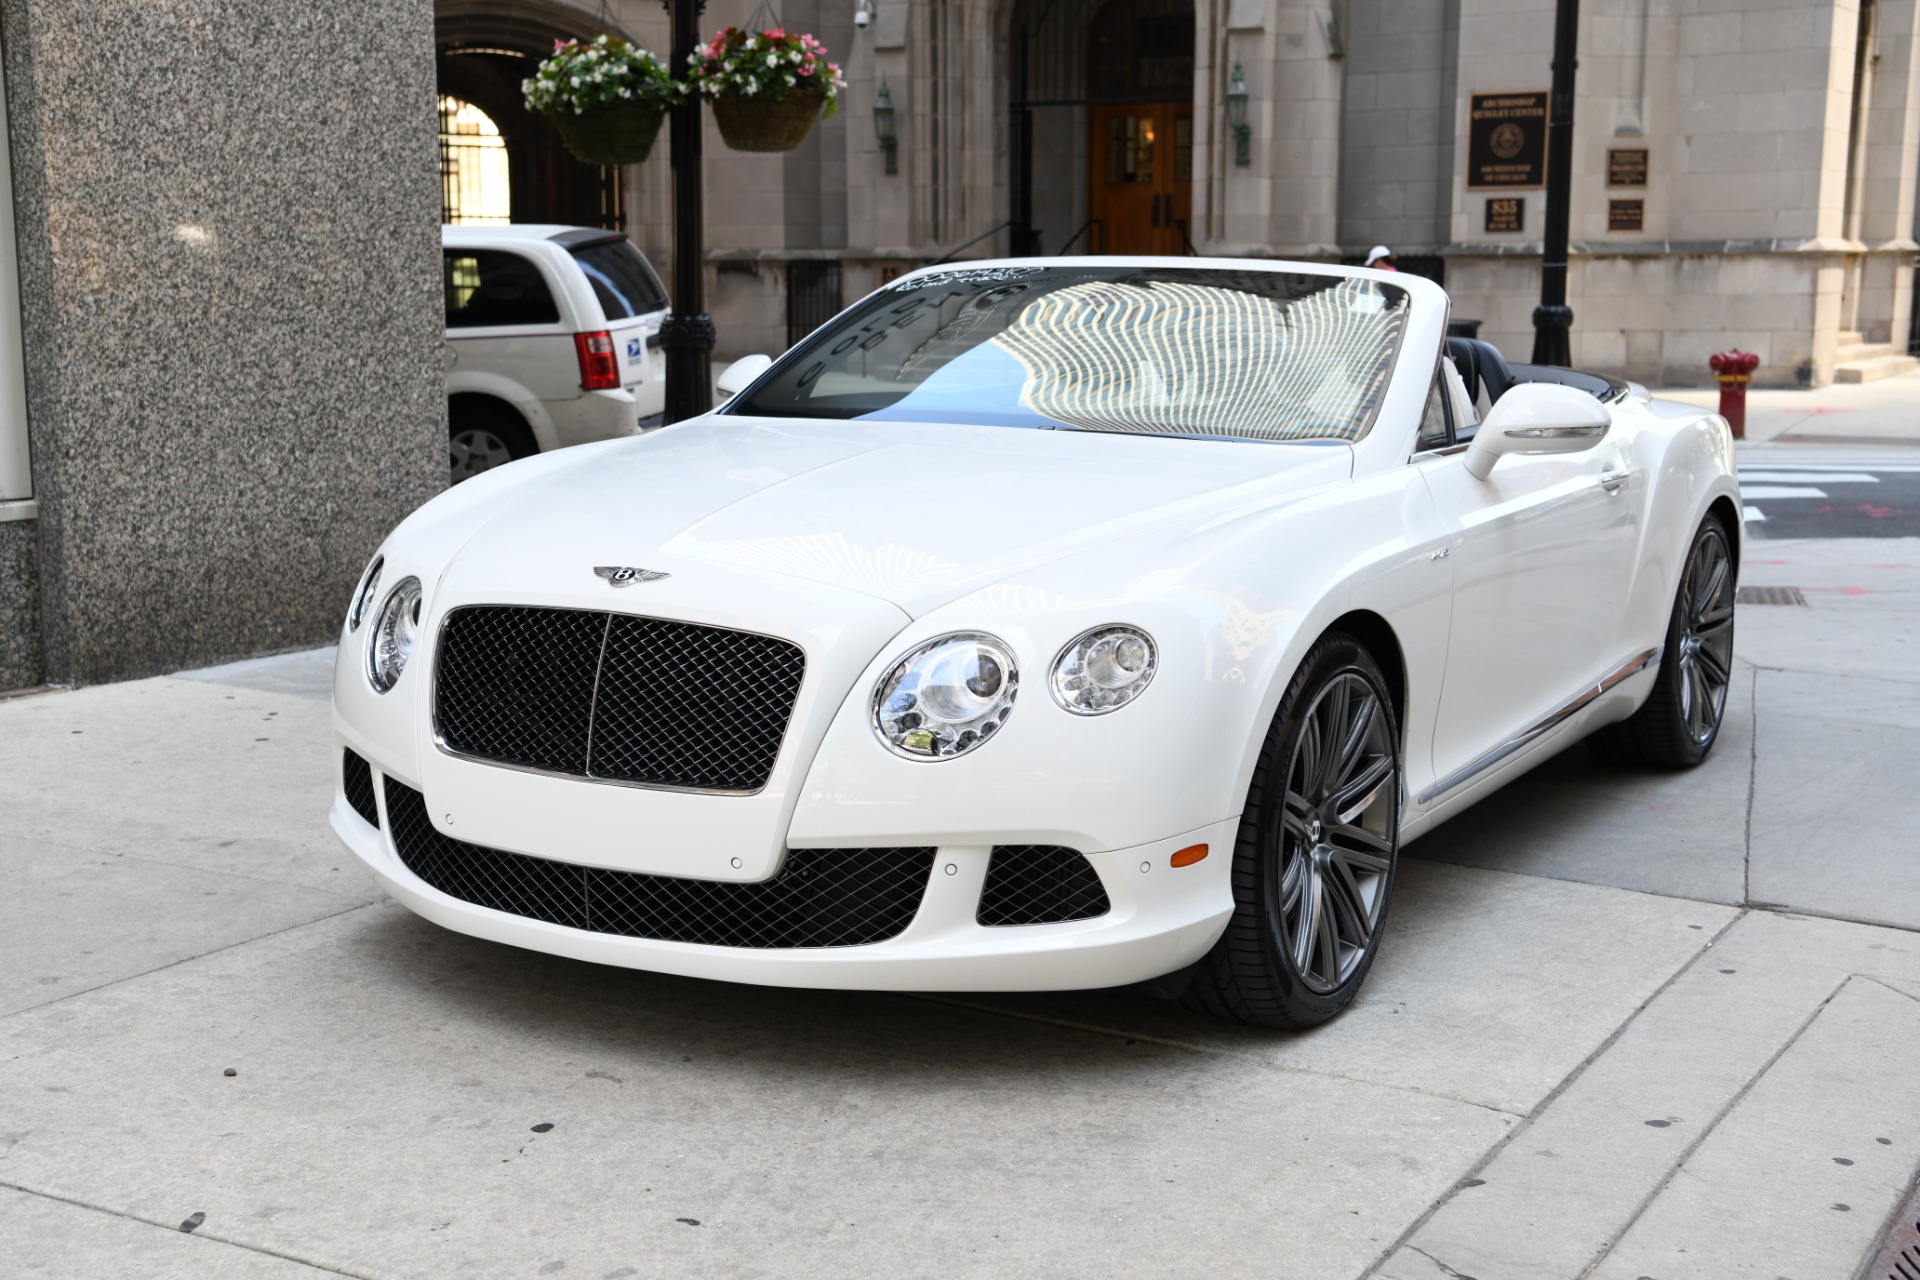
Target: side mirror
point(1537, 417)
point(737, 376)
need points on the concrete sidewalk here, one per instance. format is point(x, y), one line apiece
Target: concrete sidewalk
point(1623, 1025)
point(1873, 413)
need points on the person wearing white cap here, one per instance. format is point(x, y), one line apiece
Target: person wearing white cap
point(1380, 258)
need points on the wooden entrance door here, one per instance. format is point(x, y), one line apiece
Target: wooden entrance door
point(1142, 181)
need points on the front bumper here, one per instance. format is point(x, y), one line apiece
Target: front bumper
point(1161, 919)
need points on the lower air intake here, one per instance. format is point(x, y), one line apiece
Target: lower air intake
point(356, 779)
point(821, 898)
point(1040, 884)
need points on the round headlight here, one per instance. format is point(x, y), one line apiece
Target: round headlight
point(390, 643)
point(1103, 670)
point(363, 599)
point(946, 697)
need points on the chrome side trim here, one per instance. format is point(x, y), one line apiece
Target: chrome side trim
point(1585, 431)
point(1542, 727)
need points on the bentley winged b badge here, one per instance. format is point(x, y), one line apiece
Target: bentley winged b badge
point(627, 575)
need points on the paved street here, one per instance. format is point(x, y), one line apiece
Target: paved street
point(1624, 1025)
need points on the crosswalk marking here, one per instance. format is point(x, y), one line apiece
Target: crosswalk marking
point(1781, 476)
point(1780, 491)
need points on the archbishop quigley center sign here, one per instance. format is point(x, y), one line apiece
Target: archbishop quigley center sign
point(1507, 141)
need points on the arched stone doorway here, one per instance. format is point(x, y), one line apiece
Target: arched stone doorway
point(483, 53)
point(1101, 115)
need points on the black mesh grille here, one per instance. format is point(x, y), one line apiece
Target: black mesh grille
point(1035, 884)
point(356, 779)
point(613, 696)
point(821, 898)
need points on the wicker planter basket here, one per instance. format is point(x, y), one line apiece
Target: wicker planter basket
point(767, 124)
point(617, 133)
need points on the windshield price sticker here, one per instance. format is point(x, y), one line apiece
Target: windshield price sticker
point(975, 275)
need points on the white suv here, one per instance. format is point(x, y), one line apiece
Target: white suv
point(550, 341)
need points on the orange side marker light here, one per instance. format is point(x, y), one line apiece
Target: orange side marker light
point(1189, 855)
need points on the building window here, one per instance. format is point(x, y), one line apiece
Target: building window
point(475, 182)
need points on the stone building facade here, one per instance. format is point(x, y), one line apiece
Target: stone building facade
point(1772, 206)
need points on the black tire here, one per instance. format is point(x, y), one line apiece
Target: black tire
point(482, 436)
point(1680, 720)
point(1288, 854)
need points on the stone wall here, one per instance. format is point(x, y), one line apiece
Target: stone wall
point(227, 224)
point(20, 659)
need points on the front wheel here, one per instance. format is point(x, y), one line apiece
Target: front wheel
point(1680, 720)
point(1319, 840)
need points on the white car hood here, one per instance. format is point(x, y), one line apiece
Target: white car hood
point(913, 514)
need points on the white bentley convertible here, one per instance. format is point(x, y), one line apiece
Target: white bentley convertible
point(1039, 624)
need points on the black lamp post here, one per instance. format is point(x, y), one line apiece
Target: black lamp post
point(1237, 96)
point(686, 335)
point(883, 129)
point(1553, 318)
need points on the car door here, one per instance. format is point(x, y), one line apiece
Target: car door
point(503, 321)
point(1543, 556)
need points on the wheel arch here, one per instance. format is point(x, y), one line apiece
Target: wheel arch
point(1380, 640)
point(1728, 512)
point(501, 398)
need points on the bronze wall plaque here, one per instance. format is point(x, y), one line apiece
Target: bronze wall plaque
point(1506, 213)
point(1626, 215)
point(1507, 140)
point(1626, 166)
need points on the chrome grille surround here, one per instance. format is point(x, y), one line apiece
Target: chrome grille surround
point(613, 697)
point(820, 898)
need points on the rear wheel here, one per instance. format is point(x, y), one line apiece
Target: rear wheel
point(1319, 840)
point(1680, 721)
point(482, 437)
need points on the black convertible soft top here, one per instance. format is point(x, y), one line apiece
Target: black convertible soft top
point(1480, 363)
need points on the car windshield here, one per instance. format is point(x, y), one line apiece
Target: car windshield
point(1243, 355)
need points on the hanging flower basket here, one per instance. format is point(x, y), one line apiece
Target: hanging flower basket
point(616, 133)
point(767, 124)
point(767, 87)
point(606, 98)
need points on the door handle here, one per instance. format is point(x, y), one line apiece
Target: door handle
point(1614, 481)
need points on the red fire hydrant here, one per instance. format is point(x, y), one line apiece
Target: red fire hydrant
point(1733, 370)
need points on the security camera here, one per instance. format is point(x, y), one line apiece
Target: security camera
point(862, 15)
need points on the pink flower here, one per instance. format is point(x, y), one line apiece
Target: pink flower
point(775, 33)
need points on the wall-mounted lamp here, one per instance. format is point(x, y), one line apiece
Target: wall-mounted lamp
point(862, 14)
point(883, 129)
point(1237, 96)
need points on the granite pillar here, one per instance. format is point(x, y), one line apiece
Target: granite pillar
point(20, 659)
point(228, 239)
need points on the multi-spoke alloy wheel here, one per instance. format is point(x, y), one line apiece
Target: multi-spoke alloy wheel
point(1335, 841)
point(1680, 720)
point(1706, 635)
point(1319, 839)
